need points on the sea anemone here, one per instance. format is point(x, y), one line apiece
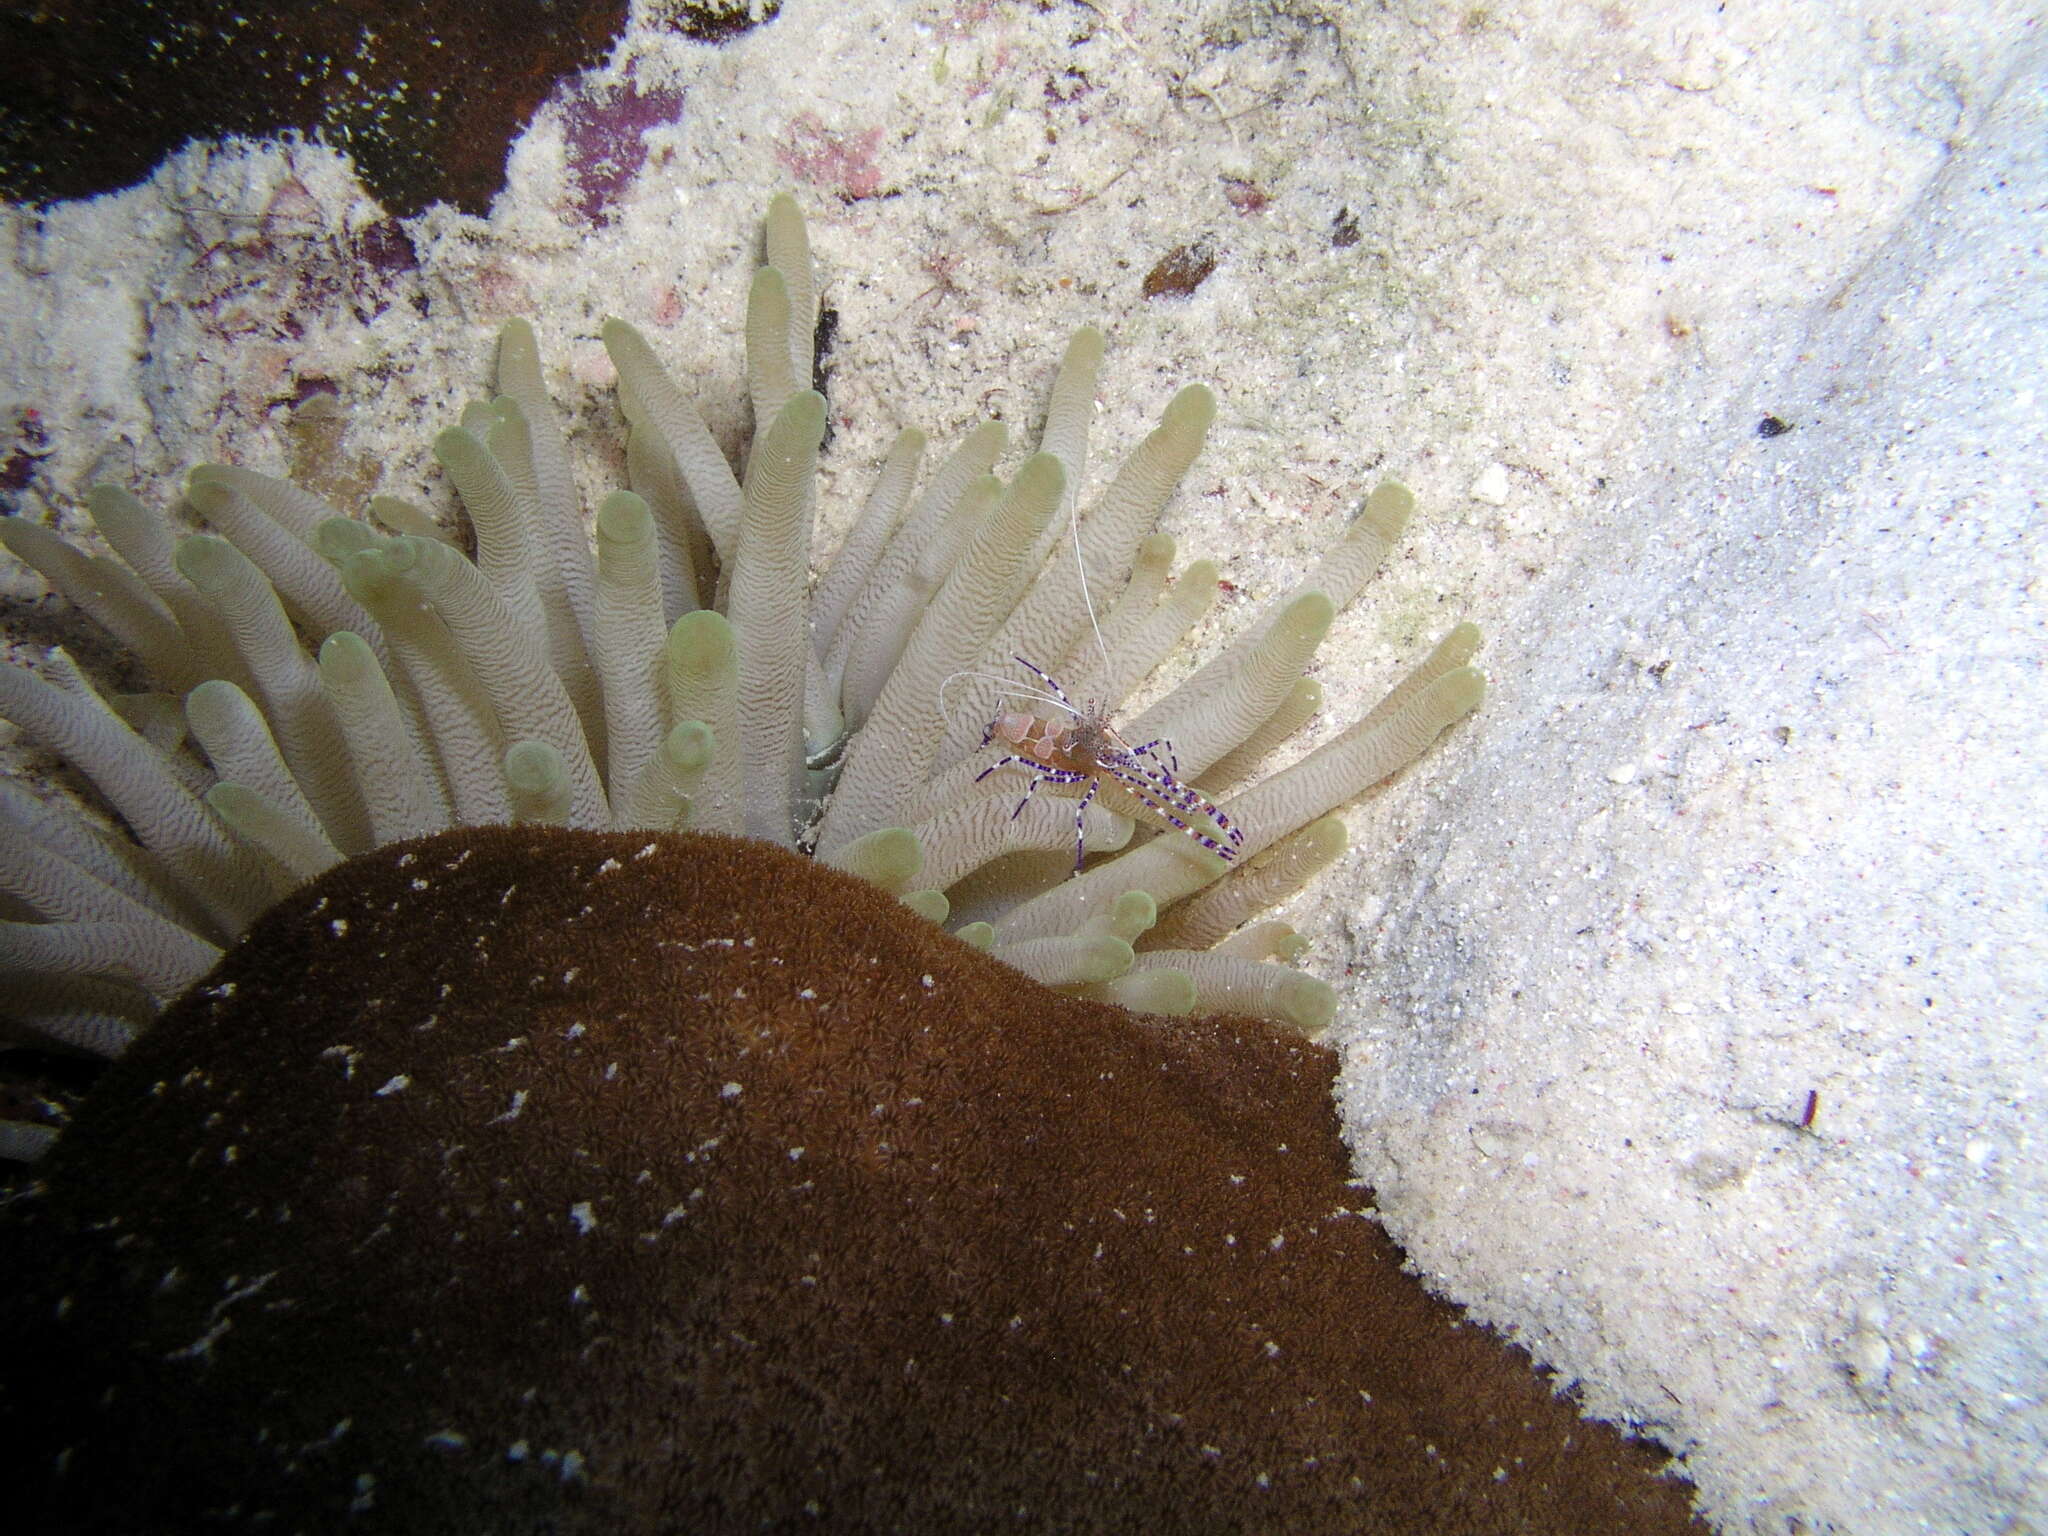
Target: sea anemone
point(684, 677)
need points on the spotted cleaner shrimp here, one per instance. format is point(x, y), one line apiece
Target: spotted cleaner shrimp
point(1087, 748)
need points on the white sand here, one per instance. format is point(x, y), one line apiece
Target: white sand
point(1755, 808)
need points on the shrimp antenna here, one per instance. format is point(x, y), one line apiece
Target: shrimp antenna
point(1081, 571)
point(1007, 687)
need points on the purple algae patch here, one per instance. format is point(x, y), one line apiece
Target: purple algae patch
point(605, 134)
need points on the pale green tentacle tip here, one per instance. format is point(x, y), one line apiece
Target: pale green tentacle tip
point(768, 286)
point(976, 935)
point(401, 516)
point(1128, 916)
point(624, 519)
point(107, 499)
point(261, 823)
point(457, 448)
point(689, 744)
point(889, 857)
point(518, 332)
point(1043, 475)
point(990, 438)
point(216, 693)
point(701, 641)
point(1307, 1004)
point(1389, 507)
point(1322, 840)
point(537, 781)
point(932, 906)
point(1102, 957)
point(1467, 690)
point(506, 410)
point(236, 804)
point(785, 215)
point(336, 538)
point(1308, 615)
point(803, 413)
point(1132, 913)
point(1153, 990)
point(1191, 411)
point(346, 655)
point(365, 574)
point(402, 555)
point(531, 765)
point(209, 562)
point(1463, 641)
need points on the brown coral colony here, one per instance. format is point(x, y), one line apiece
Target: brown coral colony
point(523, 1179)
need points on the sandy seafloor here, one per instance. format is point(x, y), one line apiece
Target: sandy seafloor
point(1754, 810)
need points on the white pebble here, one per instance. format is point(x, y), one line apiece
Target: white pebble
point(1492, 486)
